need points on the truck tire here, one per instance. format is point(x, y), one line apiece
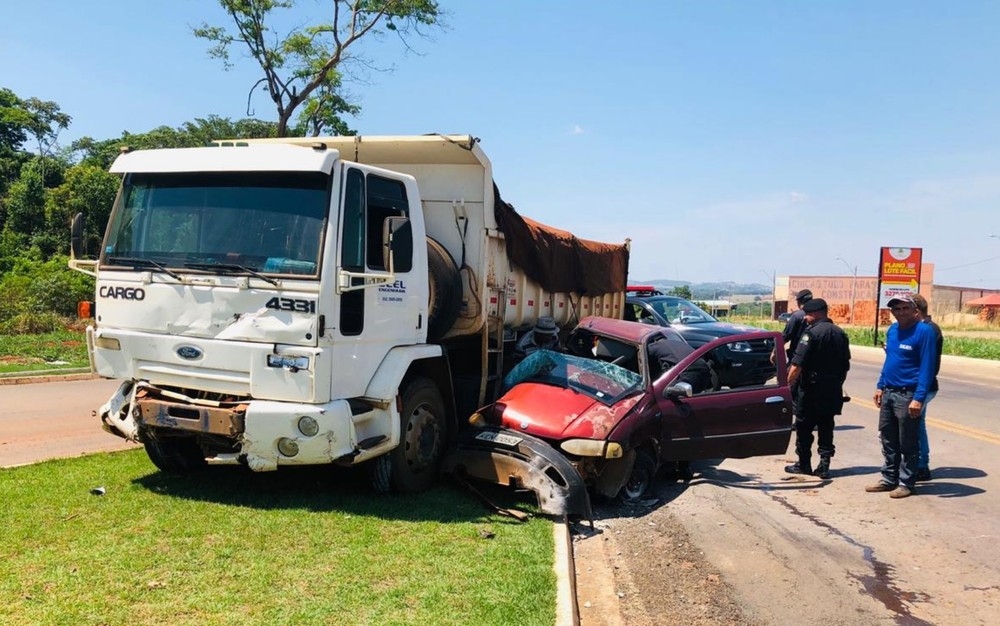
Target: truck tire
point(423, 434)
point(444, 290)
point(175, 455)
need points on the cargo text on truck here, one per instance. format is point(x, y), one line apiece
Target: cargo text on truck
point(305, 301)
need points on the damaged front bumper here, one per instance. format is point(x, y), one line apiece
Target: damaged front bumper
point(518, 460)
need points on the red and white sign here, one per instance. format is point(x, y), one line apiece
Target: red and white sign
point(898, 273)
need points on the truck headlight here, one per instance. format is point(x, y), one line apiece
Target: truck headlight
point(288, 447)
point(308, 426)
point(739, 346)
point(593, 447)
point(108, 343)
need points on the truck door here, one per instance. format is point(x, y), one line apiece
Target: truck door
point(724, 423)
point(377, 316)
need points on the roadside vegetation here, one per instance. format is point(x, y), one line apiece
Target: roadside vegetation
point(966, 344)
point(306, 546)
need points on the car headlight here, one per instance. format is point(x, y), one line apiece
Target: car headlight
point(739, 346)
point(593, 447)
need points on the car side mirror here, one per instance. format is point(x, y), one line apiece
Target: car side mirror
point(678, 390)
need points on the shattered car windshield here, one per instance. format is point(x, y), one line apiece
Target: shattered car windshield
point(261, 222)
point(602, 381)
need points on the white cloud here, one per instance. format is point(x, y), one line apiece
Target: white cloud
point(577, 130)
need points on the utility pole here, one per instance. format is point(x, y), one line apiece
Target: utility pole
point(854, 288)
point(774, 288)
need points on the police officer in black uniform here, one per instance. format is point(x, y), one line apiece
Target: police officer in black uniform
point(796, 324)
point(818, 368)
point(664, 353)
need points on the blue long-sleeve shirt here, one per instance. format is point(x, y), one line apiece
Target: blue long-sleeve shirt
point(910, 357)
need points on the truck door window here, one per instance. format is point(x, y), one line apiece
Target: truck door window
point(354, 221)
point(387, 198)
point(352, 303)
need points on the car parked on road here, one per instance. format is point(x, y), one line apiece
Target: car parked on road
point(604, 417)
point(743, 363)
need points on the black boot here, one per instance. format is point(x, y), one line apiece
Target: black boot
point(799, 468)
point(823, 469)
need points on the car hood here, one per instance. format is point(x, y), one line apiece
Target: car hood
point(557, 413)
point(716, 329)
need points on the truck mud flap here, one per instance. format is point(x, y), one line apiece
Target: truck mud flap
point(514, 459)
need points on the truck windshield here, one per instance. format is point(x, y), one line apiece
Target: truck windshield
point(263, 222)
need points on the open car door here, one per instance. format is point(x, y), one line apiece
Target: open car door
point(721, 422)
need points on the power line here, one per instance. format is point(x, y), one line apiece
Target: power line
point(955, 267)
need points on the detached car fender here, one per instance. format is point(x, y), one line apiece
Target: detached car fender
point(510, 458)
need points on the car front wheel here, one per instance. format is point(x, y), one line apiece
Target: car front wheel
point(639, 480)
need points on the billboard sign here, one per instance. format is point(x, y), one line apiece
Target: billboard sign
point(898, 273)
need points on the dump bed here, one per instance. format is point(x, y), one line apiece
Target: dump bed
point(512, 268)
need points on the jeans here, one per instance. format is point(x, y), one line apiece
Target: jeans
point(899, 434)
point(924, 460)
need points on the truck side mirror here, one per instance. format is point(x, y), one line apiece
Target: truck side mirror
point(397, 244)
point(76, 237)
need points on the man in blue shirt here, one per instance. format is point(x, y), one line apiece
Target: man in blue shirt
point(902, 389)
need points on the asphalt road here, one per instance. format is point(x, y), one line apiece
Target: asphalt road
point(49, 420)
point(799, 550)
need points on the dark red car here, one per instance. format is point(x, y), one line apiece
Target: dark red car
point(602, 416)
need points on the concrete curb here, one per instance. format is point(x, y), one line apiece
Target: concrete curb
point(567, 612)
point(47, 376)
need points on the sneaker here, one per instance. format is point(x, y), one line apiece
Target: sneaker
point(923, 474)
point(798, 469)
point(879, 486)
point(901, 491)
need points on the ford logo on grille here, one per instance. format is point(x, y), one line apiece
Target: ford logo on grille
point(189, 352)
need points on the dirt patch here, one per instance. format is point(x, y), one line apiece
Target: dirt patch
point(634, 571)
point(11, 359)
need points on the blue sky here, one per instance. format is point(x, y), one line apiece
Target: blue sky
point(727, 139)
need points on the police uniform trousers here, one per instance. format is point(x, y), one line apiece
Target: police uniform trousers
point(816, 406)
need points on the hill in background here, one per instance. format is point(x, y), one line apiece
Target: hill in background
point(710, 291)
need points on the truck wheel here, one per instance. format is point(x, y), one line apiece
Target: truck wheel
point(444, 289)
point(640, 480)
point(380, 473)
point(176, 455)
point(422, 436)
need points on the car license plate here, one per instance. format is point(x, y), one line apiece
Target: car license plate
point(500, 438)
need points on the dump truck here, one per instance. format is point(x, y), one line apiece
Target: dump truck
point(330, 300)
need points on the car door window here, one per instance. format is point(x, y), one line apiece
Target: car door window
point(740, 365)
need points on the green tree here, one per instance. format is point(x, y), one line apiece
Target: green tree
point(304, 66)
point(25, 204)
point(14, 120)
point(200, 132)
point(681, 291)
point(88, 189)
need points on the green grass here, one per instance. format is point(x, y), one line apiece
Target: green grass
point(974, 347)
point(231, 547)
point(20, 353)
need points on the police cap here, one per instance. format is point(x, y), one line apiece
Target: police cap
point(816, 304)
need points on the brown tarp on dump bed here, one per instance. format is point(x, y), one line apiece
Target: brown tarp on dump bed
point(558, 260)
